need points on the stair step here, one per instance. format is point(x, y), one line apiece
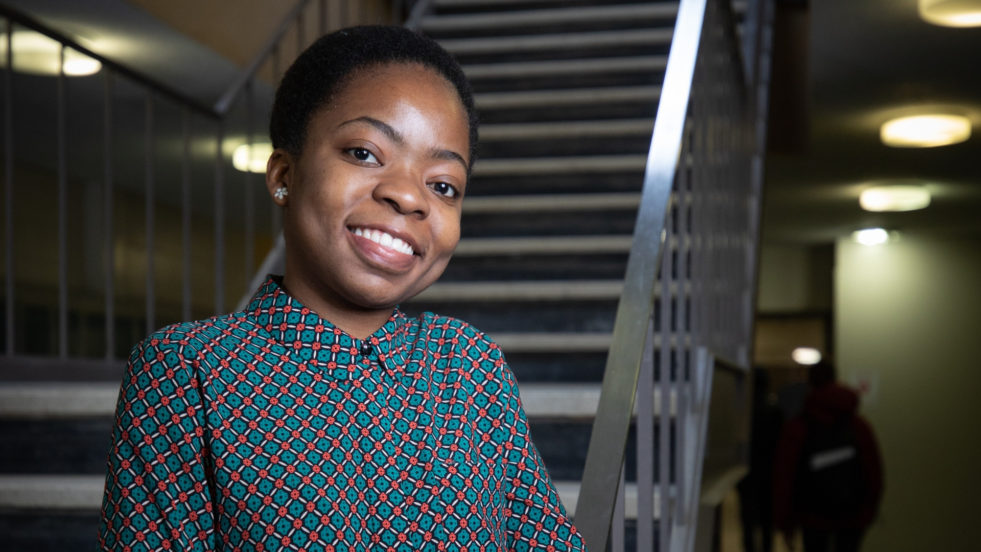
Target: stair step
point(561, 165)
point(543, 245)
point(558, 290)
point(569, 401)
point(550, 203)
point(567, 98)
point(84, 492)
point(565, 67)
point(567, 130)
point(57, 400)
point(51, 492)
point(604, 39)
point(553, 342)
point(549, 17)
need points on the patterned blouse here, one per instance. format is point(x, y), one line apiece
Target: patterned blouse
point(271, 429)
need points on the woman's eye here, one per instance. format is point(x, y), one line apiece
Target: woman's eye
point(362, 154)
point(444, 189)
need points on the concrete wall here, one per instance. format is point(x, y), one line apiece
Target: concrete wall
point(908, 329)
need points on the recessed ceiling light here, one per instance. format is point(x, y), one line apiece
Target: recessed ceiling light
point(38, 54)
point(925, 131)
point(894, 198)
point(951, 13)
point(871, 236)
point(256, 162)
point(806, 355)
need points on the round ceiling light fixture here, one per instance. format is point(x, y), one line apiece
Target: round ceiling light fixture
point(871, 236)
point(925, 131)
point(898, 197)
point(806, 355)
point(252, 158)
point(38, 54)
point(951, 13)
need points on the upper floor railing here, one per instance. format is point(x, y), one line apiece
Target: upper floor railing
point(128, 203)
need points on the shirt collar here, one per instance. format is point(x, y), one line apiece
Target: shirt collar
point(313, 338)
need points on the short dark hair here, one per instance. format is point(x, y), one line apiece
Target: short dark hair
point(329, 63)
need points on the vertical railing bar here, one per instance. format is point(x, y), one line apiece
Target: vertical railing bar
point(219, 224)
point(664, 378)
point(249, 203)
point(149, 213)
point(62, 209)
point(301, 41)
point(186, 298)
point(275, 221)
point(645, 445)
point(322, 5)
point(619, 515)
point(108, 213)
point(8, 192)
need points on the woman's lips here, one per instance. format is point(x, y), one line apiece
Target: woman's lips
point(382, 249)
point(384, 239)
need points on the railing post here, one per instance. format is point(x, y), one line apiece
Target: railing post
point(149, 215)
point(109, 250)
point(8, 183)
point(62, 208)
point(186, 295)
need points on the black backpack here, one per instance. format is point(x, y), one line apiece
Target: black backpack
point(829, 476)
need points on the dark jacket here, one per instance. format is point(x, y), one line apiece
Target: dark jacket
point(824, 407)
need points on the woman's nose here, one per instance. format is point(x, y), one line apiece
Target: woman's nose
point(404, 191)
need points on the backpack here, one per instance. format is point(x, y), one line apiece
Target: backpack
point(829, 479)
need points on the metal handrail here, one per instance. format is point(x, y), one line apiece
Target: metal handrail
point(670, 171)
point(227, 99)
point(610, 427)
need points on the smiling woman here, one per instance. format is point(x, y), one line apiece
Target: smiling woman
point(321, 417)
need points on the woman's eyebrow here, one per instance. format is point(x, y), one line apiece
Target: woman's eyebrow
point(396, 136)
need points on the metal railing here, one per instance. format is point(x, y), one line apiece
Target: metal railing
point(688, 299)
point(122, 209)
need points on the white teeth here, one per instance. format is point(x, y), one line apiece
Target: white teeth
point(385, 240)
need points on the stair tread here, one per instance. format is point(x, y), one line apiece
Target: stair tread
point(578, 67)
point(566, 129)
point(553, 98)
point(84, 492)
point(554, 290)
point(524, 245)
point(561, 165)
point(550, 202)
point(592, 39)
point(552, 16)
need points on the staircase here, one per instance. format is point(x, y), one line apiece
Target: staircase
point(567, 93)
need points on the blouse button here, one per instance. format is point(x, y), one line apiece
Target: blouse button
point(365, 349)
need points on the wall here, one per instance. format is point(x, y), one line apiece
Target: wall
point(907, 320)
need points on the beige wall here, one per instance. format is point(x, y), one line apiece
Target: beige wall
point(908, 326)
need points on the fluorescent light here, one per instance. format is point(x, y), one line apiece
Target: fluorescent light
point(256, 162)
point(894, 198)
point(806, 355)
point(871, 236)
point(925, 131)
point(951, 13)
point(38, 54)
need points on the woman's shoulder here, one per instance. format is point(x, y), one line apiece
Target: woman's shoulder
point(432, 326)
point(193, 336)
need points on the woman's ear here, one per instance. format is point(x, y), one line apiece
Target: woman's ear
point(279, 173)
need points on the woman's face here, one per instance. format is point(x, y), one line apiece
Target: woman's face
point(373, 210)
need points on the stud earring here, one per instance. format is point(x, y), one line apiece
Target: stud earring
point(281, 193)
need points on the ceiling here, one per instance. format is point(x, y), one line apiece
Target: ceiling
point(871, 60)
point(842, 67)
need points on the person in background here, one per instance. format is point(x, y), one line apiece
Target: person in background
point(828, 470)
point(756, 489)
